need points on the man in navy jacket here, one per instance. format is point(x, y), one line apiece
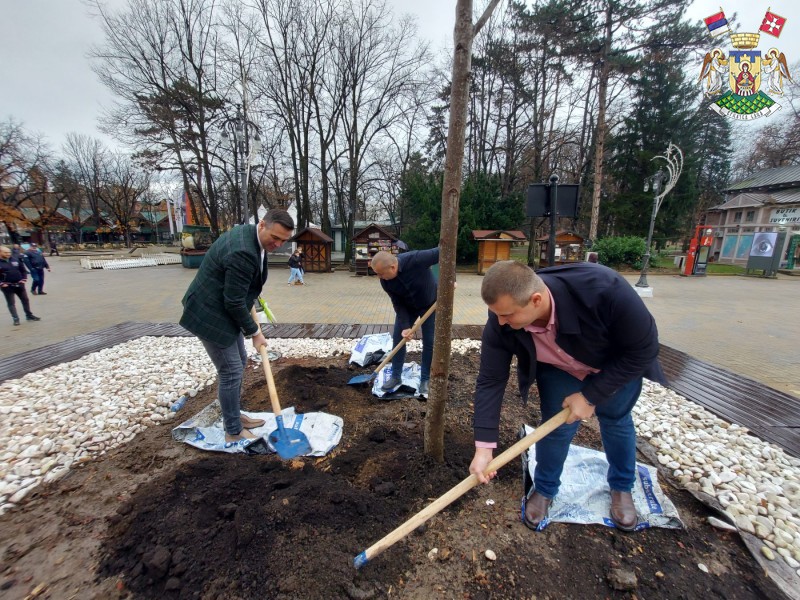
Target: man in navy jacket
point(587, 339)
point(12, 282)
point(37, 263)
point(411, 286)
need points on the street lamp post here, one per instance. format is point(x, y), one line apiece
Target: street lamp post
point(674, 159)
point(236, 133)
point(156, 220)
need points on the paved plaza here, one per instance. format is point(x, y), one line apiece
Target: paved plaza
point(743, 324)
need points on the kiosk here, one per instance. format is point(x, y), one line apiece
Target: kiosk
point(699, 250)
point(367, 243)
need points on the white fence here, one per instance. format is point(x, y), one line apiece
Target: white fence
point(146, 260)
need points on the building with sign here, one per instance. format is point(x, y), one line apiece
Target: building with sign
point(765, 202)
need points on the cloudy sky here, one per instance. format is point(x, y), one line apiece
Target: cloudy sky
point(49, 86)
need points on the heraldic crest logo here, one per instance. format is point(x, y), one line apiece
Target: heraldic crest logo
point(743, 82)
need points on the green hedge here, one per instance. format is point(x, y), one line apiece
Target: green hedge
point(620, 252)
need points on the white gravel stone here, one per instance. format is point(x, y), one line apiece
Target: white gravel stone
point(756, 482)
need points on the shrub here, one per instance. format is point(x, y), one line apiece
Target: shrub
point(619, 252)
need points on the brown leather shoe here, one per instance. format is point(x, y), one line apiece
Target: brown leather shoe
point(251, 423)
point(623, 512)
point(536, 510)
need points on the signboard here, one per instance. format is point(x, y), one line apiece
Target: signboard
point(765, 252)
point(784, 216)
point(538, 200)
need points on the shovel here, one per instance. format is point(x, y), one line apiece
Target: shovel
point(288, 443)
point(359, 379)
point(459, 490)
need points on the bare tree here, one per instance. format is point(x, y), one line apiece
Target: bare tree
point(391, 157)
point(127, 183)
point(464, 34)
point(379, 58)
point(296, 42)
point(159, 59)
point(22, 156)
point(89, 161)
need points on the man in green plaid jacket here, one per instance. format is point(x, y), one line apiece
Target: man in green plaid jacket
point(216, 308)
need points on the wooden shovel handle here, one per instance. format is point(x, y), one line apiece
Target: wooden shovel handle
point(459, 490)
point(417, 324)
point(273, 392)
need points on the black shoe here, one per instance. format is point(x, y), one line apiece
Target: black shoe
point(16, 321)
point(43, 293)
point(33, 318)
point(33, 292)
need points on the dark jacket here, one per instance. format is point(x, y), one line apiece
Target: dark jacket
point(295, 261)
point(12, 270)
point(602, 322)
point(414, 288)
point(36, 259)
point(216, 307)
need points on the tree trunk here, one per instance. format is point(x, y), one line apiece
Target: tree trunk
point(451, 195)
point(599, 149)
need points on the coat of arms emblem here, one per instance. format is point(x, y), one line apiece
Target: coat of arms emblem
point(744, 81)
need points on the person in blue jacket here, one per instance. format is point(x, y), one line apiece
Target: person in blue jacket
point(584, 335)
point(37, 263)
point(13, 276)
point(412, 288)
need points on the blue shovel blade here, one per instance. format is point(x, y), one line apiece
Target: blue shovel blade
point(361, 379)
point(289, 443)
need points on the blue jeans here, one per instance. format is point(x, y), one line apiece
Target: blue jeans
point(230, 364)
point(403, 322)
point(38, 279)
point(616, 430)
point(295, 274)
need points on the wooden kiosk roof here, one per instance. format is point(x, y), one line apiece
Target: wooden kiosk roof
point(498, 234)
point(313, 232)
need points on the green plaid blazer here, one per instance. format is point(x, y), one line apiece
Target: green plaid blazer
point(216, 307)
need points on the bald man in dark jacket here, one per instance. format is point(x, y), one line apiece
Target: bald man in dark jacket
point(412, 288)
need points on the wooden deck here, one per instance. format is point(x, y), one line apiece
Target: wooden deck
point(767, 413)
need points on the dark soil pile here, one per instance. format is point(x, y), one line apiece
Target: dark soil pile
point(157, 519)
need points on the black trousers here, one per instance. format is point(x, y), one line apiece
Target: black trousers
point(17, 289)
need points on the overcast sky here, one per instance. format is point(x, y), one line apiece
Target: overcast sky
point(49, 86)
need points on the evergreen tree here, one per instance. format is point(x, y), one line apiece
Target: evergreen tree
point(661, 115)
point(421, 195)
point(714, 151)
point(482, 206)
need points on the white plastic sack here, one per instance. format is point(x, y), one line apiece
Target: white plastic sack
point(204, 430)
point(365, 349)
point(409, 382)
point(584, 496)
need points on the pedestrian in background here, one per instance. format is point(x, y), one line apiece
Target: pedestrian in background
point(296, 268)
point(13, 276)
point(37, 263)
